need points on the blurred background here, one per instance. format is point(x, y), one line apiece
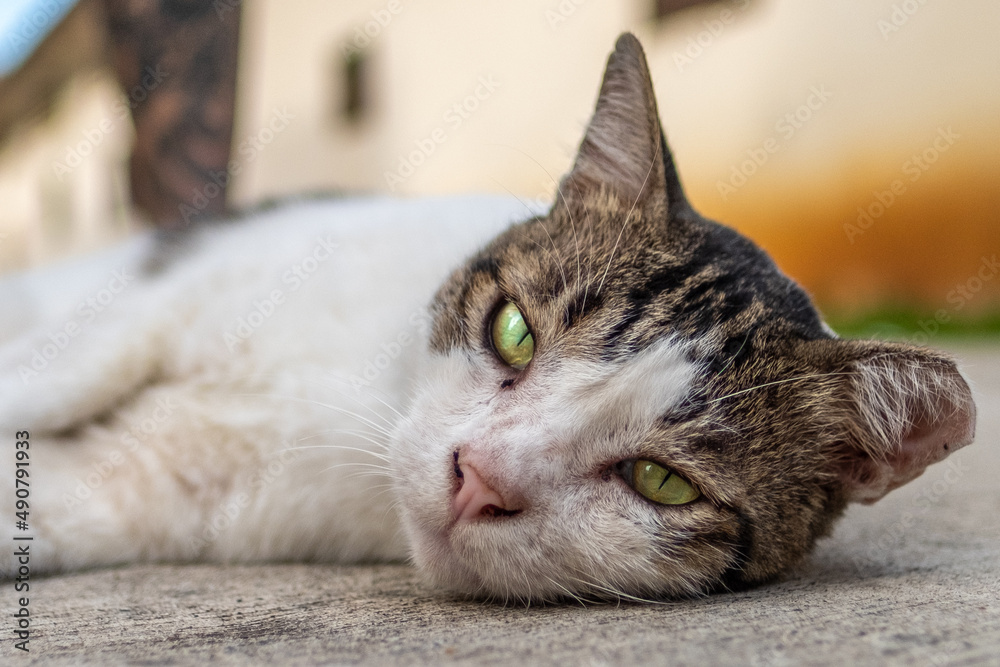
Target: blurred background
point(857, 141)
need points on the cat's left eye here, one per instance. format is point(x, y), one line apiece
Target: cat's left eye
point(661, 484)
point(511, 337)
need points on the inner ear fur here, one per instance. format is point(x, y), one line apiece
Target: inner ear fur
point(898, 408)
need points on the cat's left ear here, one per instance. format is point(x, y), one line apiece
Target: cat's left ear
point(901, 408)
point(624, 150)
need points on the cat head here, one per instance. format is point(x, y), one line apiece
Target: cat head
point(624, 399)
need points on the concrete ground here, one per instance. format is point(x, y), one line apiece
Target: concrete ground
point(914, 579)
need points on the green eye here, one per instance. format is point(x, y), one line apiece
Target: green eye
point(511, 337)
point(661, 485)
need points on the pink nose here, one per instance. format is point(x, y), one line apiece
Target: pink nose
point(475, 499)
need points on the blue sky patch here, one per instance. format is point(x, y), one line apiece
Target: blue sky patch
point(23, 26)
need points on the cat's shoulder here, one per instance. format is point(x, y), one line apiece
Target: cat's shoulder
point(385, 223)
point(394, 232)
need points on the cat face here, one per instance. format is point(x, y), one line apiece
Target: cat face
point(624, 399)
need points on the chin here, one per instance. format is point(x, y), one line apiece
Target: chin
point(440, 567)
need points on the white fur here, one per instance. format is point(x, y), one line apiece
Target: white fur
point(269, 448)
point(545, 445)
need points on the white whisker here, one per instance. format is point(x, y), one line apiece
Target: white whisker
point(382, 469)
point(367, 437)
point(343, 448)
point(371, 392)
point(776, 382)
point(627, 217)
point(343, 411)
point(343, 393)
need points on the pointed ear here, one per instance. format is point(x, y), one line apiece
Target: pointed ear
point(623, 149)
point(904, 408)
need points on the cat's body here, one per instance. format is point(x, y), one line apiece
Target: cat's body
point(220, 361)
point(294, 385)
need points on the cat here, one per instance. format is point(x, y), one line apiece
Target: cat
point(612, 399)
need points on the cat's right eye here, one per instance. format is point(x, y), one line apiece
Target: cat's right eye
point(511, 337)
point(661, 484)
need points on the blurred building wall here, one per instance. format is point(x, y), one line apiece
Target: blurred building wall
point(63, 182)
point(857, 141)
point(64, 138)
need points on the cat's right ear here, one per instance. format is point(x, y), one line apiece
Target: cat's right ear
point(623, 150)
point(899, 409)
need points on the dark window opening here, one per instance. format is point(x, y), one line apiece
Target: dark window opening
point(355, 98)
point(664, 8)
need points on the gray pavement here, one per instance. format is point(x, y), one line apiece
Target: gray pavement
point(912, 580)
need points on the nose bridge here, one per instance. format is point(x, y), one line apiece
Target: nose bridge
point(507, 457)
point(511, 443)
point(491, 465)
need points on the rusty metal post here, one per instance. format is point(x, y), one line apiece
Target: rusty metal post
point(176, 61)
